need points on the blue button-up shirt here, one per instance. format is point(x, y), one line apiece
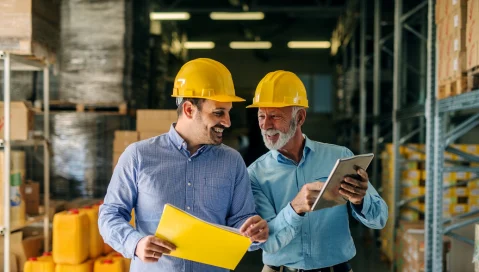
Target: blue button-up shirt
point(211, 184)
point(317, 239)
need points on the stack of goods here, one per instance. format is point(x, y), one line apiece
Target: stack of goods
point(93, 52)
point(451, 18)
point(463, 196)
point(78, 246)
point(30, 28)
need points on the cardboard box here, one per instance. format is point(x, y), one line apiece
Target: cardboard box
point(31, 194)
point(116, 157)
point(443, 8)
point(16, 248)
point(472, 55)
point(150, 134)
point(30, 27)
point(123, 138)
point(155, 120)
point(458, 18)
point(459, 65)
point(21, 120)
point(33, 246)
point(458, 41)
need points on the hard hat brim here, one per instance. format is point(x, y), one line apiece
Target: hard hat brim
point(219, 98)
point(273, 105)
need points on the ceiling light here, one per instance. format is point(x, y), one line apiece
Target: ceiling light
point(199, 45)
point(250, 45)
point(169, 16)
point(237, 16)
point(309, 44)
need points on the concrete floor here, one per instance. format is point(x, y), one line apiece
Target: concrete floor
point(367, 254)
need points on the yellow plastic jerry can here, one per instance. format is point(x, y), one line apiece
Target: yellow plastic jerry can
point(107, 264)
point(96, 241)
point(46, 256)
point(126, 262)
point(83, 267)
point(37, 265)
point(71, 237)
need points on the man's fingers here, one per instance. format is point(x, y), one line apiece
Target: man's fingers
point(352, 189)
point(356, 182)
point(250, 221)
point(158, 249)
point(162, 243)
point(315, 186)
point(363, 174)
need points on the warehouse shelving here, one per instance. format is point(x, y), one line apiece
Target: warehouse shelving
point(12, 62)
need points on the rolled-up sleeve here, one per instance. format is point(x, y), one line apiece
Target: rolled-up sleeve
point(283, 227)
point(373, 212)
point(115, 212)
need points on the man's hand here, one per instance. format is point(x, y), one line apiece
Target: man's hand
point(150, 248)
point(354, 187)
point(256, 229)
point(304, 200)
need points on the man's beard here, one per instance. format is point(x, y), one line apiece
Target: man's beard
point(283, 137)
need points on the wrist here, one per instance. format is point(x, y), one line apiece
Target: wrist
point(297, 210)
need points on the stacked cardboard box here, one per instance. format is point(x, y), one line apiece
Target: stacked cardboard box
point(457, 200)
point(123, 138)
point(150, 123)
point(451, 18)
point(30, 27)
point(410, 247)
point(472, 34)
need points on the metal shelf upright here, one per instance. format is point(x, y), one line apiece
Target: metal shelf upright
point(11, 63)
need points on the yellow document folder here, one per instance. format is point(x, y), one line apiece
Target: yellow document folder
point(200, 241)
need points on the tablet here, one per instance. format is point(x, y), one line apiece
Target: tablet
point(329, 195)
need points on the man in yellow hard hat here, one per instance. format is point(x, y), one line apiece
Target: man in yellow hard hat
point(187, 167)
point(287, 180)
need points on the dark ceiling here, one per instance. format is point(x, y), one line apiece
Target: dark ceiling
point(284, 20)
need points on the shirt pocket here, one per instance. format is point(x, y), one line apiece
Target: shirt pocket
point(216, 193)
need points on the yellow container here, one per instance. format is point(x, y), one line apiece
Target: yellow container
point(37, 265)
point(71, 237)
point(96, 241)
point(107, 249)
point(126, 262)
point(83, 267)
point(107, 264)
point(46, 257)
point(132, 221)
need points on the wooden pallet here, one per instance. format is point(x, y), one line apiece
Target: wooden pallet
point(453, 87)
point(473, 79)
point(116, 108)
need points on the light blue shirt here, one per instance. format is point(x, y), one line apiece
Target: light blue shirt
point(211, 184)
point(317, 239)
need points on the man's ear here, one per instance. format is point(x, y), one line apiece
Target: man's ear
point(188, 109)
point(301, 116)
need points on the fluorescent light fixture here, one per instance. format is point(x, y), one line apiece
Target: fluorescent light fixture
point(169, 16)
point(237, 16)
point(199, 45)
point(309, 44)
point(250, 45)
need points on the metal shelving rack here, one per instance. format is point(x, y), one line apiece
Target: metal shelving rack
point(437, 140)
point(11, 63)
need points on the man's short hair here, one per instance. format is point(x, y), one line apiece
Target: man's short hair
point(198, 102)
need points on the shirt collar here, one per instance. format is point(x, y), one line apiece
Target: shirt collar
point(308, 146)
point(179, 142)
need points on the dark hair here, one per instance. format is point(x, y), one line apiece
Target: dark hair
point(198, 102)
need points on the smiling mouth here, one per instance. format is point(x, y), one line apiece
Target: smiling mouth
point(219, 130)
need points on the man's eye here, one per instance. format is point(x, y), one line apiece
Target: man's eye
point(261, 116)
point(218, 113)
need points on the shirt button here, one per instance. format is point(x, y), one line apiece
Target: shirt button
point(189, 183)
point(188, 207)
point(189, 159)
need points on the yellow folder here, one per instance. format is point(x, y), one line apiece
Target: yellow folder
point(201, 241)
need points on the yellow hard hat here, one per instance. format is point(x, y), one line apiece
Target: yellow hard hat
point(280, 89)
point(205, 78)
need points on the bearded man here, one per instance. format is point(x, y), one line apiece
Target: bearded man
point(287, 180)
